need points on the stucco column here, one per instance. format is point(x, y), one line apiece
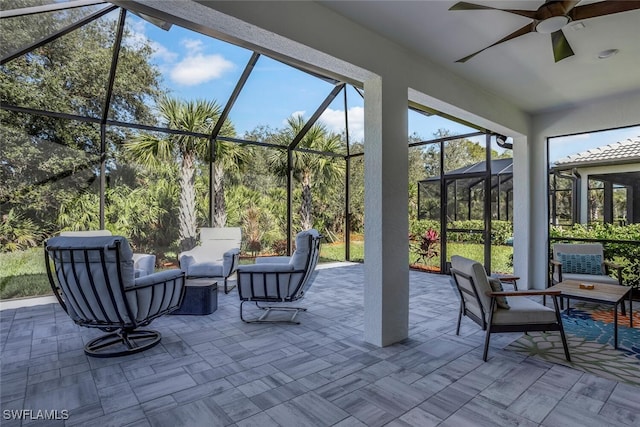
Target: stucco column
point(521, 210)
point(386, 225)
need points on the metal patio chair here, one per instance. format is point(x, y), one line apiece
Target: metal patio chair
point(93, 280)
point(280, 280)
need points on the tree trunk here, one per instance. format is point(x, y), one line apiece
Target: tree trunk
point(219, 207)
point(305, 209)
point(187, 215)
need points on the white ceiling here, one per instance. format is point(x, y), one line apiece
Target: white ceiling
point(521, 70)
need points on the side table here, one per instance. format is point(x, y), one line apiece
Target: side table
point(200, 297)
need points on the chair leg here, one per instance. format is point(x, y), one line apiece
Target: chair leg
point(486, 344)
point(459, 318)
point(226, 289)
point(125, 342)
point(268, 310)
point(562, 335)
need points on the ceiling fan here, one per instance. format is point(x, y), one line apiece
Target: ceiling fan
point(550, 18)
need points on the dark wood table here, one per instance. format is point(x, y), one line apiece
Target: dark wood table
point(601, 293)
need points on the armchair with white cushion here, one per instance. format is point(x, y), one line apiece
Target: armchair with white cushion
point(217, 255)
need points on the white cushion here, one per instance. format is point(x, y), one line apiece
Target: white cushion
point(524, 311)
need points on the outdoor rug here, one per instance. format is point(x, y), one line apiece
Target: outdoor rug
point(589, 330)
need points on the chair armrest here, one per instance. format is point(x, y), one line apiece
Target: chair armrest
point(273, 260)
point(523, 293)
point(613, 265)
point(155, 278)
point(144, 262)
point(617, 267)
point(266, 268)
point(230, 261)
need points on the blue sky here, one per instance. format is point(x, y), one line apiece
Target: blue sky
point(196, 66)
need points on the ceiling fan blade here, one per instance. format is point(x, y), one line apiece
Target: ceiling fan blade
point(561, 47)
point(602, 8)
point(529, 28)
point(463, 5)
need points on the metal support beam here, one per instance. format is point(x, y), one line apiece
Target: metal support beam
point(316, 115)
point(53, 7)
point(289, 200)
point(347, 184)
point(487, 206)
point(105, 115)
point(64, 31)
point(218, 127)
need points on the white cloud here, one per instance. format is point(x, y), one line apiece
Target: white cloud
point(334, 120)
point(198, 68)
point(162, 53)
point(299, 113)
point(192, 45)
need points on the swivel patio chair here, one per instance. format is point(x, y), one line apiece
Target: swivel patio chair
point(280, 280)
point(93, 280)
point(483, 301)
point(217, 255)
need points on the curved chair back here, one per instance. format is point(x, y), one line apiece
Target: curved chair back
point(91, 274)
point(305, 258)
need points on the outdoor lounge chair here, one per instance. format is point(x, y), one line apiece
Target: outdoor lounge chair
point(143, 264)
point(482, 301)
point(280, 279)
point(583, 262)
point(93, 280)
point(217, 255)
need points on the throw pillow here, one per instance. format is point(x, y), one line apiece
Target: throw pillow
point(496, 286)
point(581, 263)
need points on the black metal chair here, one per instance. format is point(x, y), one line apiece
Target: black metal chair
point(280, 279)
point(93, 279)
point(482, 301)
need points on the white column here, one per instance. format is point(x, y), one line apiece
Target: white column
point(386, 226)
point(521, 210)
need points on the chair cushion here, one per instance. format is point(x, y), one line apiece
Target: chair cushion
point(591, 278)
point(302, 254)
point(496, 285)
point(581, 263)
point(524, 311)
point(475, 270)
point(205, 269)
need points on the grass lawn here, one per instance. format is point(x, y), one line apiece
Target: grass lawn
point(23, 273)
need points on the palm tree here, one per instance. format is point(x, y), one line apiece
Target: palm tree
point(308, 168)
point(197, 116)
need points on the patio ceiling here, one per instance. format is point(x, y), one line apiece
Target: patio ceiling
point(521, 70)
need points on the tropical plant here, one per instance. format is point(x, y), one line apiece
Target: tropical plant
point(17, 233)
point(309, 169)
point(425, 245)
point(197, 116)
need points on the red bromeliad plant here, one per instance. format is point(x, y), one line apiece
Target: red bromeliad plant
point(425, 245)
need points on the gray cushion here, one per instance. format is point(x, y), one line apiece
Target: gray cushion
point(524, 311)
point(590, 278)
point(205, 269)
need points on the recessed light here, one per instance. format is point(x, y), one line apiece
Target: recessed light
point(605, 54)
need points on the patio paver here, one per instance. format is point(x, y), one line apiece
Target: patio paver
point(216, 370)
